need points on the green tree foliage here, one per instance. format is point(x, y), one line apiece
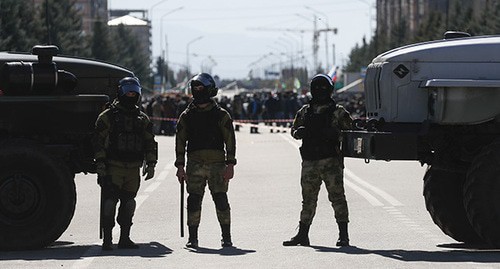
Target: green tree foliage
point(432, 29)
point(358, 56)
point(64, 27)
point(20, 28)
point(162, 68)
point(496, 24)
point(129, 54)
point(100, 44)
point(399, 35)
point(461, 17)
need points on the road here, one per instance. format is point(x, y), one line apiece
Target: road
point(389, 227)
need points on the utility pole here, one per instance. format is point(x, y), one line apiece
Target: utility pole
point(315, 44)
point(315, 31)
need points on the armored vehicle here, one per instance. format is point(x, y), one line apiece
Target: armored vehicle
point(438, 102)
point(48, 107)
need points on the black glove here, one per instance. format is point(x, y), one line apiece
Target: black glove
point(148, 171)
point(300, 133)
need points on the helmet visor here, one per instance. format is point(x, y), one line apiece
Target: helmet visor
point(130, 88)
point(205, 79)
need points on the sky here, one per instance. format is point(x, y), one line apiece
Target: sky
point(229, 38)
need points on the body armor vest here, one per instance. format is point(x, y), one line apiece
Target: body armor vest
point(126, 139)
point(317, 145)
point(203, 130)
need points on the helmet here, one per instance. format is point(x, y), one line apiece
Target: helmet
point(129, 84)
point(126, 85)
point(207, 81)
point(321, 88)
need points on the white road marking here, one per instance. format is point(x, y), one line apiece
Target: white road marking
point(393, 201)
point(94, 251)
point(353, 177)
point(370, 198)
point(152, 187)
point(365, 189)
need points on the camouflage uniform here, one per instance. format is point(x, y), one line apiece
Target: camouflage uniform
point(204, 162)
point(123, 140)
point(329, 169)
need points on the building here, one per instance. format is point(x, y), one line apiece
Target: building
point(140, 28)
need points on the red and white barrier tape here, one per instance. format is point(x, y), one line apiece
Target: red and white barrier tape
point(241, 121)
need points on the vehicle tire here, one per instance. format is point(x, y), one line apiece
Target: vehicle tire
point(444, 201)
point(482, 194)
point(37, 196)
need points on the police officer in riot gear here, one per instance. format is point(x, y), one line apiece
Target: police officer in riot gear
point(318, 125)
point(124, 142)
point(205, 132)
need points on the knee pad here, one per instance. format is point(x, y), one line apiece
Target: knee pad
point(108, 211)
point(128, 206)
point(109, 208)
point(127, 195)
point(126, 212)
point(110, 191)
point(220, 200)
point(194, 202)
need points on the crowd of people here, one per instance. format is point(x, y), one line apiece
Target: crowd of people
point(253, 106)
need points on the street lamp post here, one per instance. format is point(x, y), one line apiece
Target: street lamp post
point(187, 54)
point(152, 7)
point(285, 43)
point(278, 55)
point(315, 41)
point(162, 51)
point(207, 64)
point(161, 25)
point(326, 34)
point(300, 47)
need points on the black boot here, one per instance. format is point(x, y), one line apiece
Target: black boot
point(193, 237)
point(343, 235)
point(107, 241)
point(125, 241)
point(226, 235)
point(302, 237)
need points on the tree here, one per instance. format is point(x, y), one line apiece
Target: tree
point(431, 29)
point(496, 7)
point(64, 27)
point(100, 44)
point(398, 35)
point(130, 55)
point(20, 28)
point(357, 57)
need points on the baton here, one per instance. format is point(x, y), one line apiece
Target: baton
point(182, 208)
point(100, 215)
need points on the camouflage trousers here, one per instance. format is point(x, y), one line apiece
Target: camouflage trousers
point(122, 185)
point(199, 174)
point(312, 175)
point(125, 178)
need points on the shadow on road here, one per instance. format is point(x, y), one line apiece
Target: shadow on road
point(68, 251)
point(466, 254)
point(227, 251)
